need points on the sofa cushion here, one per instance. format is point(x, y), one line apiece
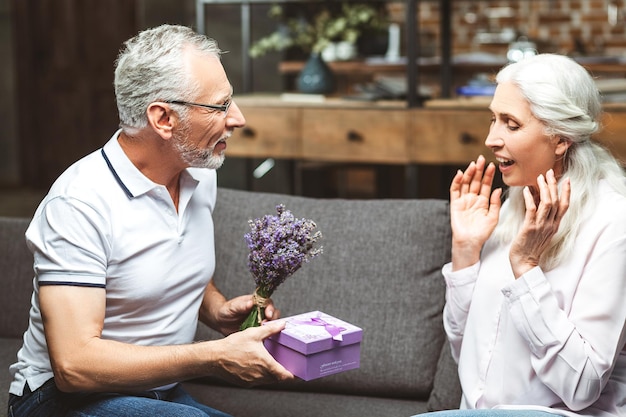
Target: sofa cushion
point(380, 270)
point(16, 266)
point(446, 393)
point(8, 356)
point(256, 402)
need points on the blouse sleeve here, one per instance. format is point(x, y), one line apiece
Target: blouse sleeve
point(573, 352)
point(459, 291)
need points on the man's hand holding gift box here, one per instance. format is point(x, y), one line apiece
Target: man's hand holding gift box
point(315, 344)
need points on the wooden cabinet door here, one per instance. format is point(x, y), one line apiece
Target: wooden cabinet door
point(65, 52)
point(376, 136)
point(448, 136)
point(613, 133)
point(269, 132)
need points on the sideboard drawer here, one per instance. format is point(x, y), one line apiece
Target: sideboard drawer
point(613, 133)
point(269, 132)
point(448, 136)
point(355, 135)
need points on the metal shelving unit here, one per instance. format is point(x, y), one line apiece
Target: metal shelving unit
point(411, 31)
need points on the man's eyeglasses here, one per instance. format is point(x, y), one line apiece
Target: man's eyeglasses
point(221, 107)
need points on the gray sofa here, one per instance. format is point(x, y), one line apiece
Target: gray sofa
point(380, 270)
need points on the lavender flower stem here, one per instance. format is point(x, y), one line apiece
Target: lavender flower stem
point(278, 245)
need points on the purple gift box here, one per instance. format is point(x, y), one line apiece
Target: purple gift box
point(314, 345)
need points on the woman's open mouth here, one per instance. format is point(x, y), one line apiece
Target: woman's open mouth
point(505, 162)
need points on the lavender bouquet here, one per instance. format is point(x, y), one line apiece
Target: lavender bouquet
point(279, 245)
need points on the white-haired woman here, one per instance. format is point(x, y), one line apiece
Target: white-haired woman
point(535, 310)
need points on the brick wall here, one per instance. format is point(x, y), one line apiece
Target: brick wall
point(563, 26)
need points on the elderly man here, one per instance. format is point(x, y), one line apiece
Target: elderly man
point(124, 252)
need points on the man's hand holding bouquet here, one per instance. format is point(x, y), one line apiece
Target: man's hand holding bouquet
point(279, 245)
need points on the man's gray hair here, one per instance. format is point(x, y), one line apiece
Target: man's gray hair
point(151, 67)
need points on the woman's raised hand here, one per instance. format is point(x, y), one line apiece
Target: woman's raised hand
point(474, 211)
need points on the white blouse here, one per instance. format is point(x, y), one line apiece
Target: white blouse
point(548, 340)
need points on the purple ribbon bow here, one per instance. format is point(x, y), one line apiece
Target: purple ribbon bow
point(334, 331)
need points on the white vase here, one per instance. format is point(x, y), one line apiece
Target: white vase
point(329, 53)
point(345, 51)
point(339, 51)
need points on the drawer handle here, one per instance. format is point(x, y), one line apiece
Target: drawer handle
point(248, 133)
point(354, 136)
point(466, 139)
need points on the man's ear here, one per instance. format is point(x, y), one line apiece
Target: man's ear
point(161, 119)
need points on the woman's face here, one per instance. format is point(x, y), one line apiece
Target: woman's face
point(518, 139)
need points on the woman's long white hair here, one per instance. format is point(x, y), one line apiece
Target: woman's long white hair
point(564, 97)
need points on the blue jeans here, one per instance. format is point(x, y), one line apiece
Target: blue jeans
point(48, 401)
point(489, 413)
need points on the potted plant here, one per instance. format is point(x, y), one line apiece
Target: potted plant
point(334, 22)
point(337, 25)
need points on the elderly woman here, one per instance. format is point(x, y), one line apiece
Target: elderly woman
point(535, 310)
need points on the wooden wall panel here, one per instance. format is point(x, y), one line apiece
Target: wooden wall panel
point(65, 52)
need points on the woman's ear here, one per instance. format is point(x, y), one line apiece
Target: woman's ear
point(562, 146)
point(161, 119)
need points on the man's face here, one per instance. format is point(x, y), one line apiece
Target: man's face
point(201, 139)
point(194, 155)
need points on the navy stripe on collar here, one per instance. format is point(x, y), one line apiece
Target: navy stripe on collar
point(117, 177)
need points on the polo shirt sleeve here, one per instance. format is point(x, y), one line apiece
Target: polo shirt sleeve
point(69, 242)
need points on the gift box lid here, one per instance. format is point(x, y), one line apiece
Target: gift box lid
point(315, 332)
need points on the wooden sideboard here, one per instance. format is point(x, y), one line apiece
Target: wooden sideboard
point(335, 130)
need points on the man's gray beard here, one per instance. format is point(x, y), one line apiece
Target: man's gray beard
point(194, 156)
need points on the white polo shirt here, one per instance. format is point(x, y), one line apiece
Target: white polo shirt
point(104, 224)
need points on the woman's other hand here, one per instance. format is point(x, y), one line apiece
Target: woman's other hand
point(544, 210)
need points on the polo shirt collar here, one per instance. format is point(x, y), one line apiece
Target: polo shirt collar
point(132, 180)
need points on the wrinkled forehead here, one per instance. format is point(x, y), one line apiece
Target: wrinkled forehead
point(508, 98)
point(208, 73)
